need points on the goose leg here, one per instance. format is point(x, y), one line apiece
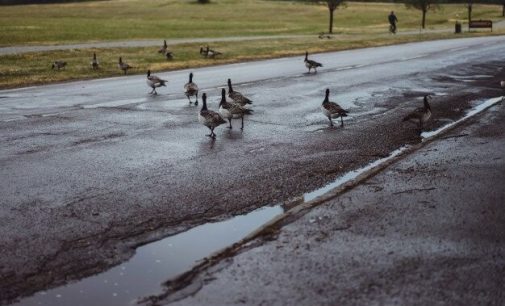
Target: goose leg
point(331, 122)
point(341, 121)
point(242, 127)
point(211, 132)
point(187, 96)
point(196, 102)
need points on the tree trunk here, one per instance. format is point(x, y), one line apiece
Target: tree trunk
point(423, 23)
point(331, 22)
point(469, 12)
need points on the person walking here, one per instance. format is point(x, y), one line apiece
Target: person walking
point(392, 22)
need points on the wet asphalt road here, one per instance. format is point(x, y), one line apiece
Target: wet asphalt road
point(91, 169)
point(428, 230)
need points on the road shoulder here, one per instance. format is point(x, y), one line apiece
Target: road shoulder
point(429, 229)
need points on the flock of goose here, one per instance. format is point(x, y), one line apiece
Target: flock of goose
point(239, 106)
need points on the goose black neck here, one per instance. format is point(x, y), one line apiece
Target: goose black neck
point(191, 77)
point(120, 60)
point(94, 55)
point(148, 72)
point(230, 89)
point(327, 96)
point(223, 97)
point(426, 104)
point(306, 55)
point(204, 99)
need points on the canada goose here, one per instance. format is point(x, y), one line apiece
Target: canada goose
point(236, 96)
point(163, 48)
point(322, 35)
point(310, 63)
point(209, 118)
point(191, 89)
point(232, 110)
point(421, 114)
point(58, 64)
point(169, 55)
point(123, 66)
point(154, 81)
point(94, 62)
point(332, 109)
point(204, 52)
point(212, 53)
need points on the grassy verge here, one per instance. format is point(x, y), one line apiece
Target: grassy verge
point(35, 68)
point(158, 19)
point(357, 25)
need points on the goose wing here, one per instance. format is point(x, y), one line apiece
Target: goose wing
point(334, 108)
point(415, 114)
point(190, 87)
point(212, 117)
point(156, 80)
point(237, 97)
point(314, 63)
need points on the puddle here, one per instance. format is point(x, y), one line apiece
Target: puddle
point(472, 112)
point(154, 263)
point(350, 176)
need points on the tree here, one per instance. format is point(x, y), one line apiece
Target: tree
point(469, 6)
point(332, 6)
point(424, 6)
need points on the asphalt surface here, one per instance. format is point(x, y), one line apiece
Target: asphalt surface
point(90, 170)
point(428, 230)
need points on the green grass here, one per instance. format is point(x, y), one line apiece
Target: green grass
point(157, 19)
point(358, 25)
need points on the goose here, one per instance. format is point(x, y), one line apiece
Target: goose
point(209, 118)
point(212, 53)
point(236, 96)
point(204, 52)
point(332, 109)
point(94, 62)
point(58, 64)
point(123, 66)
point(191, 89)
point(169, 55)
point(232, 110)
point(421, 114)
point(310, 63)
point(163, 48)
point(154, 81)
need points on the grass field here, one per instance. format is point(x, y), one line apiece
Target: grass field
point(358, 25)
